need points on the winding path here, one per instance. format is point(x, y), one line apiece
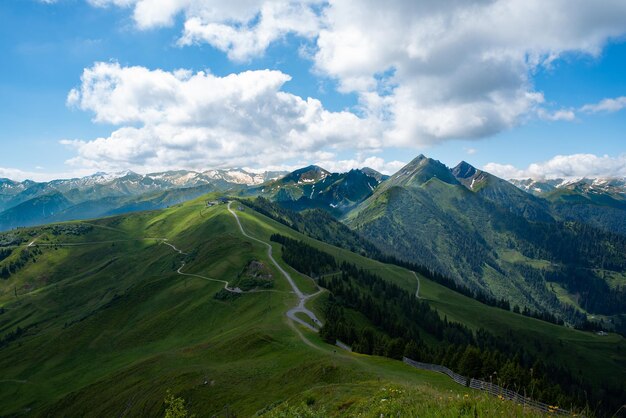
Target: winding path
point(226, 283)
point(163, 241)
point(291, 313)
point(417, 292)
point(302, 298)
point(175, 249)
point(226, 287)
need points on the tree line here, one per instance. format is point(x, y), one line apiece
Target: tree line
point(402, 325)
point(12, 266)
point(320, 225)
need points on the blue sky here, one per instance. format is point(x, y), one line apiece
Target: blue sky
point(375, 103)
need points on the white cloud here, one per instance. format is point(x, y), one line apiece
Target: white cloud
point(505, 171)
point(562, 114)
point(462, 69)
point(471, 151)
point(16, 174)
point(565, 166)
point(431, 70)
point(606, 105)
point(252, 36)
point(377, 163)
point(241, 29)
point(173, 119)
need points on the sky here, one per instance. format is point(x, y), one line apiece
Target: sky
point(520, 88)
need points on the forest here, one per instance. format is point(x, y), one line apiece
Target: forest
point(402, 325)
point(320, 225)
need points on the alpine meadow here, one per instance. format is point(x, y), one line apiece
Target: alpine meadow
point(305, 208)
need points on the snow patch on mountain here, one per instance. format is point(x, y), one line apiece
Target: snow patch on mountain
point(595, 185)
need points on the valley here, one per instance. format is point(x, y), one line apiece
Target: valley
point(312, 209)
point(512, 242)
point(165, 340)
point(105, 316)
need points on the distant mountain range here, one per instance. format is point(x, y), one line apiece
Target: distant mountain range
point(30, 203)
point(552, 245)
point(615, 186)
point(313, 187)
point(597, 202)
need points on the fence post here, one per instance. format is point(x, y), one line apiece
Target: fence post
point(489, 387)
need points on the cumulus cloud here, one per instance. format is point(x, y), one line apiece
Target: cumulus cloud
point(606, 105)
point(377, 163)
point(460, 69)
point(252, 36)
point(172, 119)
point(241, 29)
point(431, 70)
point(424, 72)
point(566, 167)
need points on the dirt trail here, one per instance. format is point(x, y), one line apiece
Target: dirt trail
point(302, 298)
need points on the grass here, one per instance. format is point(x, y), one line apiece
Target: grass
point(598, 358)
point(564, 296)
point(385, 399)
point(111, 327)
point(614, 279)
point(515, 257)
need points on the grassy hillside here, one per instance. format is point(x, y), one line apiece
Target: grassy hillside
point(58, 207)
point(108, 326)
point(488, 236)
point(599, 359)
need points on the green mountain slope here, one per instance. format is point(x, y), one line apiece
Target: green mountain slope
point(502, 193)
point(313, 187)
point(57, 208)
point(33, 211)
point(488, 236)
point(107, 325)
point(598, 203)
point(603, 208)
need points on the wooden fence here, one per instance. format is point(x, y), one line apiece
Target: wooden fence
point(488, 387)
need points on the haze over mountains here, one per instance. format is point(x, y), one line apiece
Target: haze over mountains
point(29, 203)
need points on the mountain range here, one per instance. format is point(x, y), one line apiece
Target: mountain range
point(30, 203)
point(449, 266)
point(313, 187)
point(517, 239)
point(115, 316)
